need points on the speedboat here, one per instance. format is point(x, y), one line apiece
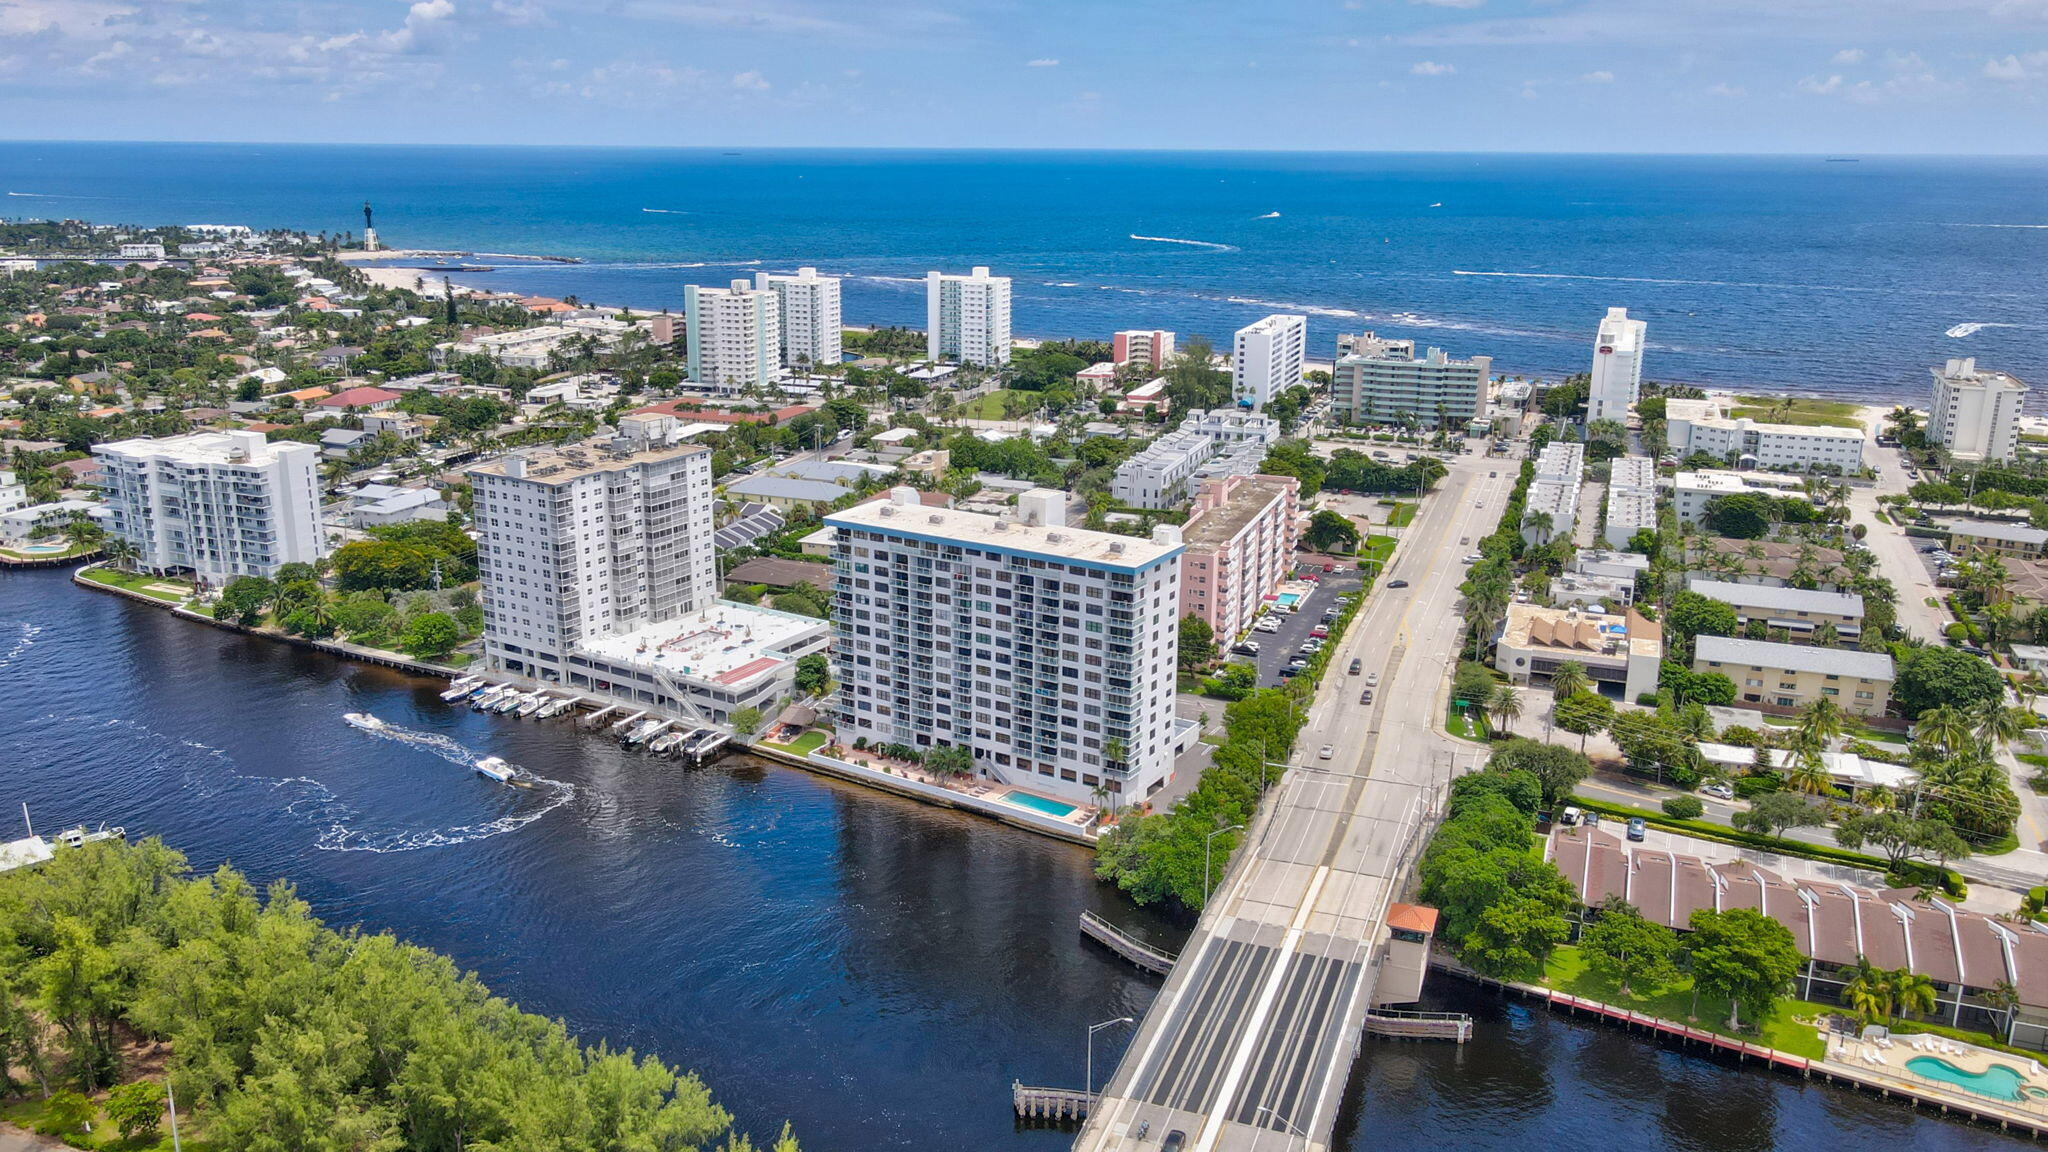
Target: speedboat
point(364, 720)
point(494, 768)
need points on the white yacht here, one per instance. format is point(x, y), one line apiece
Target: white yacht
point(364, 720)
point(495, 768)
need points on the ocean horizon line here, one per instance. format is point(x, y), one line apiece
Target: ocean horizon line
point(1025, 149)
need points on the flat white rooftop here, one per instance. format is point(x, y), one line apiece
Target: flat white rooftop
point(727, 644)
point(975, 530)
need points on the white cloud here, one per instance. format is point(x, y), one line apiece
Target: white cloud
point(1821, 87)
point(1851, 56)
point(1431, 68)
point(1903, 60)
point(422, 28)
point(1729, 91)
point(751, 81)
point(1603, 76)
point(1042, 62)
point(2009, 68)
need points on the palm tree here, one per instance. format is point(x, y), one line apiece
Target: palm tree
point(1911, 992)
point(121, 552)
point(1999, 724)
point(1947, 726)
point(1820, 723)
point(2003, 999)
point(1569, 680)
point(1868, 992)
point(1808, 772)
point(1505, 707)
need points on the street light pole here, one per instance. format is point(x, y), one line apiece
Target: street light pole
point(1207, 842)
point(1092, 1030)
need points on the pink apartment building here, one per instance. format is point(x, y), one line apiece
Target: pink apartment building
point(1152, 347)
point(1239, 541)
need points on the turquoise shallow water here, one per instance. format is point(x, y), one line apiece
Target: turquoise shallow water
point(1780, 273)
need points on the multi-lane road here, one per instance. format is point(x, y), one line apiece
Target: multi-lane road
point(1251, 1040)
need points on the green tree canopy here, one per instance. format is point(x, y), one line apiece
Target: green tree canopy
point(1743, 955)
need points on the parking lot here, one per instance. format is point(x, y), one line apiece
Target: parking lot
point(1277, 648)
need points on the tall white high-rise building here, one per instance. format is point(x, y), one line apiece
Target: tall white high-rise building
point(592, 539)
point(1047, 651)
point(1266, 358)
point(967, 318)
point(809, 316)
point(221, 504)
point(1617, 367)
point(735, 335)
point(1976, 413)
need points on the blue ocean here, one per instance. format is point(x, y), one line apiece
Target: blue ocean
point(1832, 275)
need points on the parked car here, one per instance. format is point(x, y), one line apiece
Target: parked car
point(1356, 665)
point(1493, 475)
point(1570, 818)
point(1298, 662)
point(1637, 829)
point(1474, 558)
point(1718, 790)
point(1248, 648)
point(1292, 670)
point(1326, 751)
point(1319, 631)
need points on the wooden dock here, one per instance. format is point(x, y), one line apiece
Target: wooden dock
point(1454, 1026)
point(1033, 1103)
point(1136, 951)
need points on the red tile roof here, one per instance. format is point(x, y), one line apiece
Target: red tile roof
point(358, 397)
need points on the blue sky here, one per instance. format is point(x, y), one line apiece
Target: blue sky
point(1946, 76)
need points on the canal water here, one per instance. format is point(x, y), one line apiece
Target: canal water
point(874, 970)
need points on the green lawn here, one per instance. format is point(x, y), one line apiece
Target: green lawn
point(1377, 548)
point(803, 745)
point(1567, 972)
point(990, 407)
point(1473, 727)
point(1402, 515)
point(139, 582)
point(1801, 410)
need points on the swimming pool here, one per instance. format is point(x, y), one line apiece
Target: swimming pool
point(1998, 1082)
point(1039, 804)
point(1288, 599)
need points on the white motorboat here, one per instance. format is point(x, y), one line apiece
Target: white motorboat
point(495, 768)
point(645, 730)
point(483, 700)
point(508, 702)
point(533, 705)
point(364, 720)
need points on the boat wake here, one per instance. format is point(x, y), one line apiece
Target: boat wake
point(212, 772)
point(1955, 333)
point(1207, 244)
point(667, 211)
point(1268, 216)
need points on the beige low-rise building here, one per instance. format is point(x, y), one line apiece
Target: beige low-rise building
point(1798, 611)
point(1997, 538)
point(1620, 653)
point(1775, 675)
